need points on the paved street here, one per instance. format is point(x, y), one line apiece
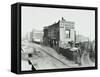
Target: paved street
point(47, 58)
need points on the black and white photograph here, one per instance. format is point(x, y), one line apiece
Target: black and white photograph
point(55, 38)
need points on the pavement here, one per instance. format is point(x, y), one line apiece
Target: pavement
point(47, 58)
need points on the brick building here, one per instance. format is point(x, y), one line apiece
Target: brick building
point(59, 34)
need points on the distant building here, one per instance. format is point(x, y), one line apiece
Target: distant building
point(59, 34)
point(35, 35)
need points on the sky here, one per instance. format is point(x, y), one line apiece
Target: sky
point(39, 17)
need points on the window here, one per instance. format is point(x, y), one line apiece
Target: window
point(67, 33)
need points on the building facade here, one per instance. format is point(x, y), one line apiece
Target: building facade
point(59, 34)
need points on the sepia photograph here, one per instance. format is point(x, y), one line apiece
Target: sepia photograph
point(57, 38)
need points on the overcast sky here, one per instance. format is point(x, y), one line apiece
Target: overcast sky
point(38, 17)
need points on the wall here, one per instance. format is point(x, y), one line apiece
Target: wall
point(5, 42)
point(64, 26)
